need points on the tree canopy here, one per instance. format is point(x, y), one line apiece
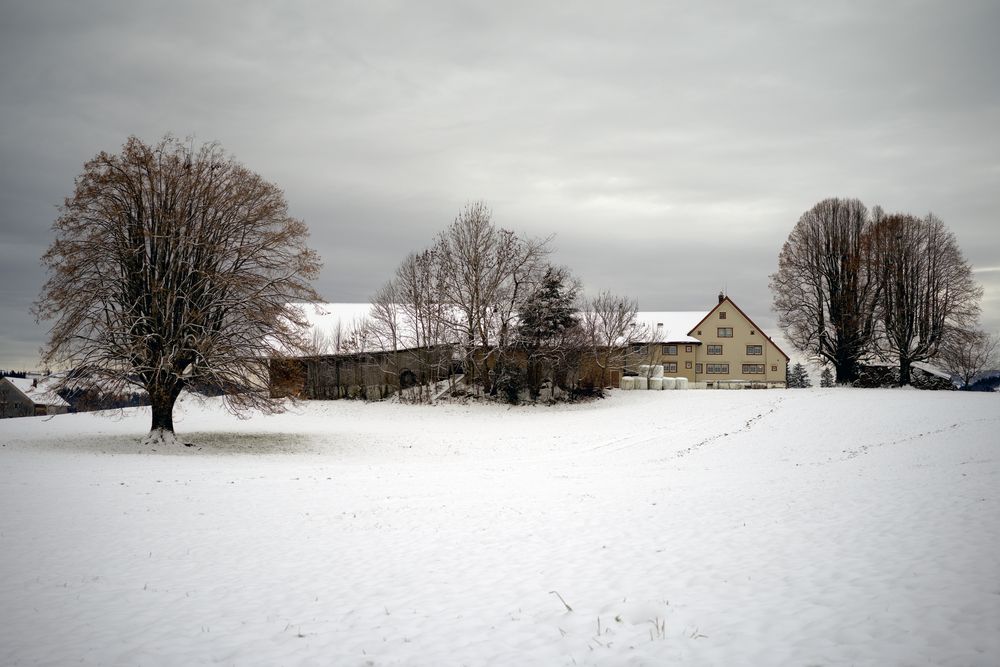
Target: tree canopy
point(174, 268)
point(853, 285)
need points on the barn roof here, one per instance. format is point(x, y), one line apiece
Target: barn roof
point(41, 390)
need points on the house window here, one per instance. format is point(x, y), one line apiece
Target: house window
point(670, 367)
point(687, 364)
point(755, 350)
point(752, 332)
point(670, 349)
point(687, 348)
point(722, 314)
point(715, 349)
point(774, 367)
point(698, 368)
point(725, 332)
point(638, 348)
point(753, 369)
point(719, 369)
point(699, 332)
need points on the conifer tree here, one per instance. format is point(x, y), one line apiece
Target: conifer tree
point(804, 380)
point(547, 321)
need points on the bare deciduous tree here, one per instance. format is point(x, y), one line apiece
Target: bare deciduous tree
point(172, 268)
point(824, 293)
point(610, 329)
point(966, 353)
point(485, 274)
point(408, 313)
point(927, 288)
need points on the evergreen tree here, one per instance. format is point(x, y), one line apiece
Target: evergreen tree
point(826, 378)
point(805, 382)
point(547, 319)
point(798, 378)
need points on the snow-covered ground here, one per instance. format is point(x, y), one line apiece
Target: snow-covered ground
point(800, 527)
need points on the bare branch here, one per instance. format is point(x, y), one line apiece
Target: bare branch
point(176, 269)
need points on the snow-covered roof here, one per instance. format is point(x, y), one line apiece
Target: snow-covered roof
point(332, 324)
point(41, 391)
point(336, 328)
point(326, 319)
point(671, 326)
point(931, 369)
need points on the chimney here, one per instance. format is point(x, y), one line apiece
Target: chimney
point(722, 297)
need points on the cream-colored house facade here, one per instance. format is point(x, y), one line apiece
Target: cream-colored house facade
point(723, 347)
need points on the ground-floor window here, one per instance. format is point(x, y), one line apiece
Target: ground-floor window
point(753, 369)
point(718, 368)
point(687, 364)
point(698, 368)
point(670, 367)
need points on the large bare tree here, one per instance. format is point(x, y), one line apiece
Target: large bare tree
point(173, 267)
point(927, 288)
point(486, 273)
point(824, 293)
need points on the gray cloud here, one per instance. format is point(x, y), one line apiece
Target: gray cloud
point(669, 147)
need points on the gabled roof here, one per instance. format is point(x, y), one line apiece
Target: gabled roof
point(723, 302)
point(40, 391)
point(670, 326)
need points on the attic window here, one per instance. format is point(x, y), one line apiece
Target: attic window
point(722, 314)
point(752, 332)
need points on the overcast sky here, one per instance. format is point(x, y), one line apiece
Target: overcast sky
point(670, 147)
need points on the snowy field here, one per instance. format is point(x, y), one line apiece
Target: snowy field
point(803, 527)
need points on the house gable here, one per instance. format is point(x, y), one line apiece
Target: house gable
point(13, 401)
point(734, 348)
point(727, 302)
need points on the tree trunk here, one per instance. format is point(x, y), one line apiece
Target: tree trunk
point(846, 366)
point(162, 399)
point(904, 371)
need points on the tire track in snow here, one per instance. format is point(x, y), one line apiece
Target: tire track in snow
point(624, 443)
point(864, 449)
point(749, 424)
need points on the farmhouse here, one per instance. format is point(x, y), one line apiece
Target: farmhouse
point(27, 397)
point(721, 348)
